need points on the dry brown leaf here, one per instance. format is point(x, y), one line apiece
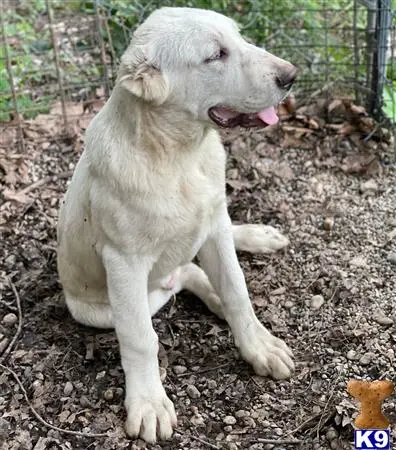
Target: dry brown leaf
point(361, 163)
point(336, 104)
point(358, 110)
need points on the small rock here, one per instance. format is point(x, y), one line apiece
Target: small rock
point(229, 420)
point(228, 428)
point(84, 402)
point(358, 261)
point(331, 434)
point(101, 375)
point(10, 319)
point(108, 395)
point(380, 318)
point(212, 384)
point(241, 413)
point(197, 420)
point(10, 260)
point(68, 389)
point(317, 301)
point(192, 391)
point(352, 355)
point(366, 358)
point(369, 185)
point(392, 257)
point(328, 223)
point(249, 422)
point(179, 370)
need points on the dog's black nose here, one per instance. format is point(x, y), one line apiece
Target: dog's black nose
point(285, 79)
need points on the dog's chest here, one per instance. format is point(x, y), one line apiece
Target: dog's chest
point(186, 216)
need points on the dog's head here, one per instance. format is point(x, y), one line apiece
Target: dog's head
point(197, 61)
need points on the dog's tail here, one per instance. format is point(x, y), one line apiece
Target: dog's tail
point(258, 238)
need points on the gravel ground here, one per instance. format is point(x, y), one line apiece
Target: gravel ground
point(330, 295)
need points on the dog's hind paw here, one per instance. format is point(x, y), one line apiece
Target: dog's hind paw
point(150, 418)
point(258, 238)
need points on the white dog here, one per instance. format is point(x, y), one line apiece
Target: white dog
point(148, 195)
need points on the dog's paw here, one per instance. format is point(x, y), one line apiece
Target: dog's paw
point(267, 354)
point(150, 418)
point(259, 239)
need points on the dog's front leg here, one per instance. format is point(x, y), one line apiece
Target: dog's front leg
point(148, 407)
point(268, 354)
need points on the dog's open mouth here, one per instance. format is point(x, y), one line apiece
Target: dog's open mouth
point(227, 117)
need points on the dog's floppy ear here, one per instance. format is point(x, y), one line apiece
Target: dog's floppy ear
point(141, 78)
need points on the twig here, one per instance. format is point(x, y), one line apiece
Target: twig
point(186, 374)
point(43, 181)
point(278, 441)
point(198, 439)
point(40, 419)
point(321, 421)
point(19, 329)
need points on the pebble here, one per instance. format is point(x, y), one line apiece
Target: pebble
point(68, 389)
point(241, 413)
point(366, 358)
point(229, 420)
point(108, 395)
point(197, 420)
point(331, 434)
point(192, 391)
point(369, 185)
point(84, 402)
point(352, 355)
point(317, 301)
point(212, 384)
point(10, 319)
point(358, 261)
point(382, 319)
point(392, 257)
point(179, 370)
point(249, 422)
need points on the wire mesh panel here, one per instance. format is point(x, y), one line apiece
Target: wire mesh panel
point(56, 53)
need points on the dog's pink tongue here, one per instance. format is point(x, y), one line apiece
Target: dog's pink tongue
point(269, 116)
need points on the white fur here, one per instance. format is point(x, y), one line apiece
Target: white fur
point(148, 194)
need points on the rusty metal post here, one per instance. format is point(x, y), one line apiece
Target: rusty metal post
point(11, 80)
point(57, 64)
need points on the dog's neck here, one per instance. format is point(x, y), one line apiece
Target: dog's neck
point(158, 130)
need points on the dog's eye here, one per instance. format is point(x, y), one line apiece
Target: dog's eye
point(220, 54)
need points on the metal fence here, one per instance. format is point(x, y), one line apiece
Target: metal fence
point(67, 52)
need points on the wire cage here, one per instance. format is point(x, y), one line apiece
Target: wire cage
point(64, 53)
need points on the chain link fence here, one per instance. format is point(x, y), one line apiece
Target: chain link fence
point(63, 53)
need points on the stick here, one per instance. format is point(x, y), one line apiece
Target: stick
point(19, 329)
point(198, 439)
point(186, 374)
point(40, 419)
point(279, 441)
point(43, 181)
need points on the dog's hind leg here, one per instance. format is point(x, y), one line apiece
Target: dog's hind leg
point(193, 279)
point(258, 238)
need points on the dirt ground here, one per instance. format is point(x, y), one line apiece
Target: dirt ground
point(330, 295)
